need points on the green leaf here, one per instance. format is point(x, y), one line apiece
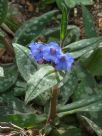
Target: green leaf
point(48, 1)
point(78, 45)
point(25, 120)
point(60, 4)
point(73, 3)
point(68, 86)
point(11, 19)
point(72, 34)
point(10, 77)
point(26, 65)
point(72, 131)
point(91, 103)
point(54, 132)
point(87, 84)
point(89, 25)
point(20, 88)
point(94, 62)
point(64, 21)
point(3, 10)
point(1, 72)
point(12, 105)
point(81, 47)
point(40, 82)
point(2, 34)
point(32, 28)
point(87, 87)
point(94, 126)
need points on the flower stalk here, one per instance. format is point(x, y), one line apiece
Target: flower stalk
point(53, 104)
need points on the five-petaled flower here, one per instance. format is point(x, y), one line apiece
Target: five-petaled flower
point(51, 52)
point(36, 51)
point(65, 62)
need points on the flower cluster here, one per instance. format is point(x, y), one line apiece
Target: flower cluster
point(51, 52)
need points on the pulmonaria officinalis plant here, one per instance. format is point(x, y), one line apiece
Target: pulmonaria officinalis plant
point(51, 52)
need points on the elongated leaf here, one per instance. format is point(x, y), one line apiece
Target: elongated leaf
point(20, 88)
point(68, 85)
point(72, 131)
point(41, 81)
point(63, 23)
point(60, 4)
point(73, 3)
point(10, 77)
point(78, 45)
point(12, 105)
point(94, 62)
point(1, 72)
point(26, 65)
point(48, 1)
point(24, 120)
point(54, 132)
point(11, 19)
point(87, 84)
point(82, 47)
point(32, 28)
point(3, 10)
point(72, 34)
point(88, 21)
point(93, 103)
point(94, 126)
point(87, 87)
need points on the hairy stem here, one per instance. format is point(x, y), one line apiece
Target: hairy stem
point(53, 104)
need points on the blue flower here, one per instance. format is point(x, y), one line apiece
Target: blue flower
point(51, 52)
point(36, 51)
point(65, 62)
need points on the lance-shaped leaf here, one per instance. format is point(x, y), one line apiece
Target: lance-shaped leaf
point(93, 103)
point(40, 82)
point(48, 1)
point(81, 47)
point(94, 62)
point(88, 21)
point(93, 125)
point(1, 72)
point(73, 3)
point(24, 120)
point(78, 45)
point(68, 86)
point(72, 131)
point(64, 22)
point(26, 65)
point(3, 10)
point(9, 78)
point(32, 28)
point(72, 34)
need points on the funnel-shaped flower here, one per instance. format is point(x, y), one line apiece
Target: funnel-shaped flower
point(64, 62)
point(52, 52)
point(36, 50)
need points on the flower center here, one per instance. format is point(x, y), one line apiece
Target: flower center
point(41, 61)
point(52, 51)
point(62, 58)
point(40, 50)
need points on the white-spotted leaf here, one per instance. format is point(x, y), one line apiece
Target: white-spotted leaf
point(26, 65)
point(32, 28)
point(10, 77)
point(41, 81)
point(3, 10)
